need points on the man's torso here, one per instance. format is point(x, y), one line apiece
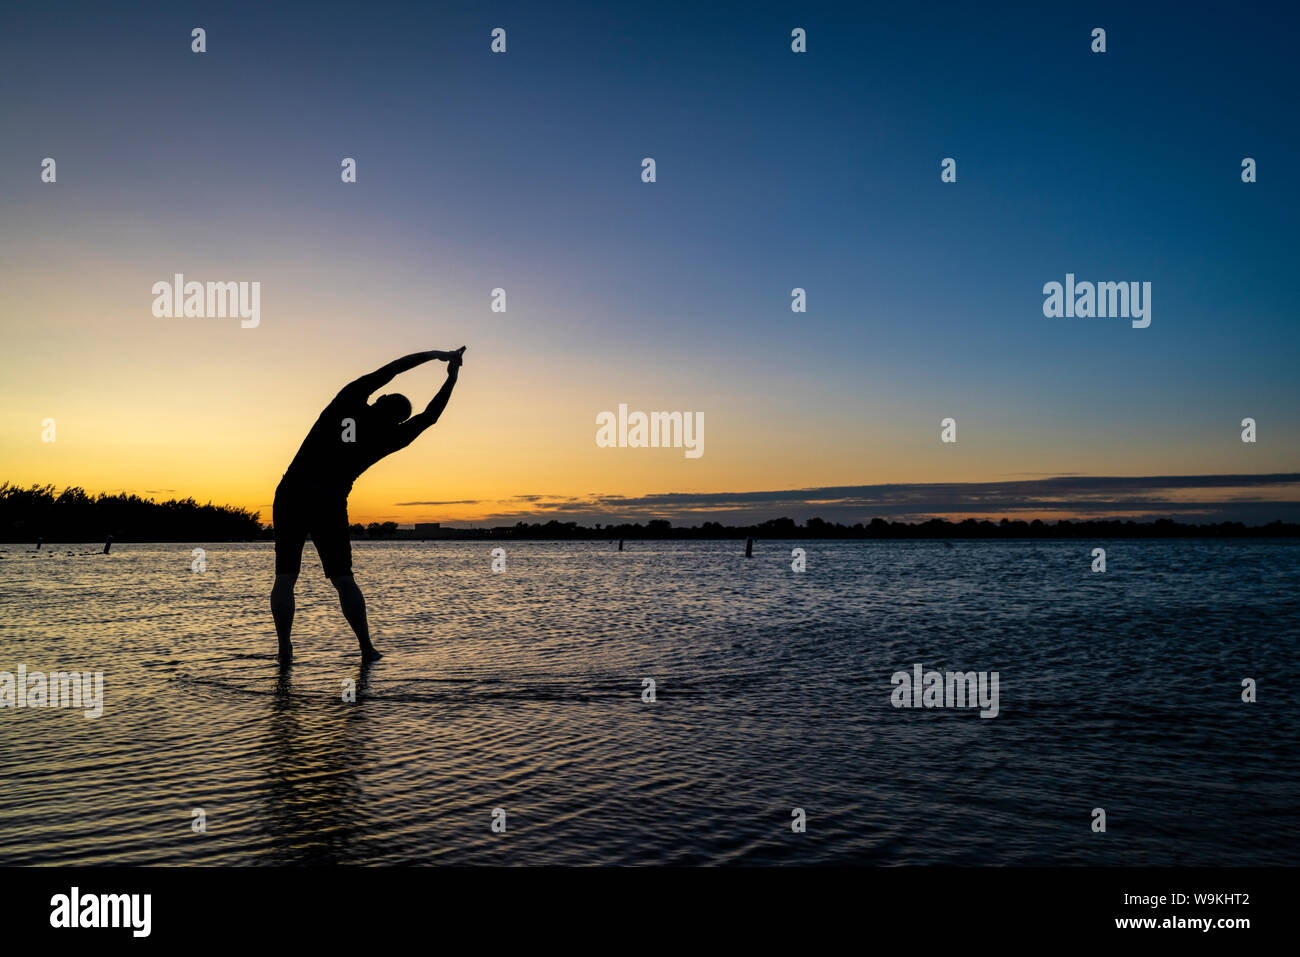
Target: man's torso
point(345, 440)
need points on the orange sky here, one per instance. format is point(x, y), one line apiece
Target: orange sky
point(204, 408)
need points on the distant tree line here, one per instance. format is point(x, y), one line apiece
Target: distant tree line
point(73, 515)
point(374, 530)
point(879, 528)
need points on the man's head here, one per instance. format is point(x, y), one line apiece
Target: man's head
point(393, 407)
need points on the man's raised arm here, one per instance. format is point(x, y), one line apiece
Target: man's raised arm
point(417, 423)
point(362, 388)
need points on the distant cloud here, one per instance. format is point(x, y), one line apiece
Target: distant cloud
point(1189, 497)
point(463, 501)
point(547, 500)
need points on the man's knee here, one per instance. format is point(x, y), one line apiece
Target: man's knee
point(283, 583)
point(342, 582)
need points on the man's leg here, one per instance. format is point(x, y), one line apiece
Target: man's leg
point(282, 608)
point(353, 604)
point(334, 544)
point(290, 535)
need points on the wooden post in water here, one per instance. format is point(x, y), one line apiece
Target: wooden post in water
point(749, 548)
point(108, 544)
point(620, 544)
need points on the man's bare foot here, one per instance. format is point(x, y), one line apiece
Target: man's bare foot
point(370, 654)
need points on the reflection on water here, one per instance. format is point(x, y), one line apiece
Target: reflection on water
point(523, 690)
point(312, 801)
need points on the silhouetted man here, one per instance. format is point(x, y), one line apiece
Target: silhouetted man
point(349, 436)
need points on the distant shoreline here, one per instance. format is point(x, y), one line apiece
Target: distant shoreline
point(38, 513)
point(816, 530)
point(897, 531)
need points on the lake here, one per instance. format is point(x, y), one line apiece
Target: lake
point(522, 692)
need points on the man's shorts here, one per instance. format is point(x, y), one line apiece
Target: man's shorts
point(302, 510)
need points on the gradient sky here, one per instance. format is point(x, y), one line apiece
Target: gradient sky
point(775, 170)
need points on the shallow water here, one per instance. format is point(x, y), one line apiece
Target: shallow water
point(522, 691)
